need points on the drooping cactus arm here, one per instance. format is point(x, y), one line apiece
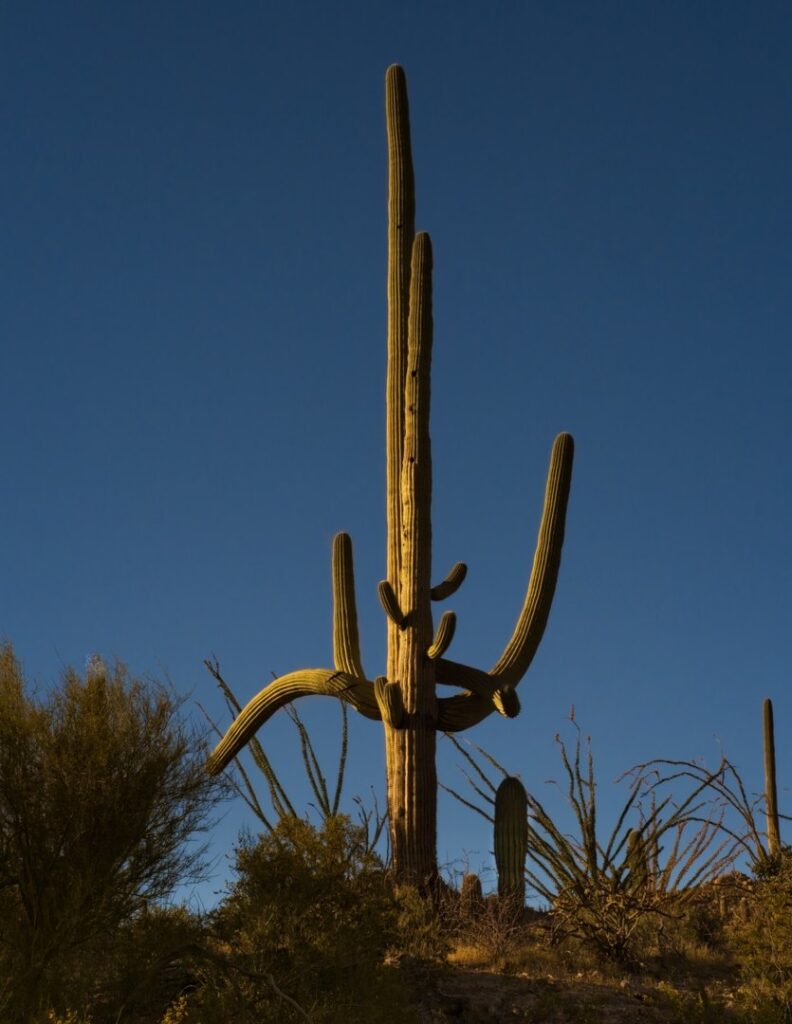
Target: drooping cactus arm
point(520, 650)
point(346, 643)
point(281, 691)
point(483, 696)
point(462, 711)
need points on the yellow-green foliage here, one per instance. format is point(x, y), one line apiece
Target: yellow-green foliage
point(763, 945)
point(101, 786)
point(309, 922)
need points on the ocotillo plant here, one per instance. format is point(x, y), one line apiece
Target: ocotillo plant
point(511, 837)
point(405, 698)
point(771, 793)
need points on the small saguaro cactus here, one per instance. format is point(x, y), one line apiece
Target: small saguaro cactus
point(471, 896)
point(771, 792)
point(511, 837)
point(405, 698)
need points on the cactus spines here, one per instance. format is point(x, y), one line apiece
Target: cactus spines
point(771, 792)
point(410, 710)
point(511, 837)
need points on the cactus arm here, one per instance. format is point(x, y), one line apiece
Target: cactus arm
point(281, 692)
point(443, 636)
point(492, 696)
point(389, 700)
point(390, 604)
point(522, 646)
point(346, 643)
point(450, 584)
point(487, 692)
point(401, 232)
point(771, 791)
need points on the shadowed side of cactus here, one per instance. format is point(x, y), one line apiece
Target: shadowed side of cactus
point(771, 792)
point(511, 837)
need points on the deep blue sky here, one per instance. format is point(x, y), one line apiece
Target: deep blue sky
point(193, 351)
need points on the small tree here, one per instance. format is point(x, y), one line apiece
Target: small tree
point(101, 789)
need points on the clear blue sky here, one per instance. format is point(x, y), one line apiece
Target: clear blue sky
point(192, 329)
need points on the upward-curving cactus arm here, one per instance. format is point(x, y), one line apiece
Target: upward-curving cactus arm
point(346, 644)
point(521, 648)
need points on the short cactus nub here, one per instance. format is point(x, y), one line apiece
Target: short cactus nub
point(471, 896)
point(443, 636)
point(771, 791)
point(390, 604)
point(389, 700)
point(511, 837)
point(450, 584)
point(411, 710)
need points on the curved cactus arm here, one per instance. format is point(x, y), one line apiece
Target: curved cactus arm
point(282, 691)
point(450, 584)
point(346, 642)
point(502, 699)
point(483, 696)
point(520, 650)
point(390, 702)
point(390, 604)
point(443, 636)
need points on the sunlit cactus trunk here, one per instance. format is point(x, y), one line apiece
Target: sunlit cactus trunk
point(405, 698)
point(410, 748)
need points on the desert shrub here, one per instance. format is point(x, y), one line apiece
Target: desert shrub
point(102, 788)
point(304, 932)
point(762, 940)
point(604, 888)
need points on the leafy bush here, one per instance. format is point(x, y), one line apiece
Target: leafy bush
point(763, 944)
point(306, 927)
point(101, 787)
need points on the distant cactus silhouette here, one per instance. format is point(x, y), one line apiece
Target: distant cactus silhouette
point(771, 792)
point(511, 837)
point(405, 697)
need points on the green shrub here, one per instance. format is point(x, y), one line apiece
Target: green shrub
point(763, 943)
point(304, 932)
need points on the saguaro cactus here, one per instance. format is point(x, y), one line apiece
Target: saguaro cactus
point(771, 793)
point(511, 837)
point(405, 698)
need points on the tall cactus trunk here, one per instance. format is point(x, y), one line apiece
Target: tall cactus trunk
point(405, 699)
point(771, 793)
point(410, 750)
